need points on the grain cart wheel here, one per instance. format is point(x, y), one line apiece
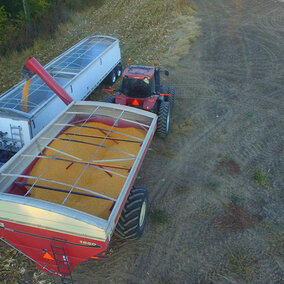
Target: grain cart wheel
point(118, 70)
point(133, 216)
point(111, 78)
point(171, 91)
point(110, 100)
point(163, 126)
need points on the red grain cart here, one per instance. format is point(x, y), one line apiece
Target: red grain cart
point(65, 194)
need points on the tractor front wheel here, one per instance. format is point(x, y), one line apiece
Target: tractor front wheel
point(163, 126)
point(133, 216)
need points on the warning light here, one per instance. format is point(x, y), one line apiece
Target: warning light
point(129, 60)
point(95, 257)
point(135, 102)
point(48, 256)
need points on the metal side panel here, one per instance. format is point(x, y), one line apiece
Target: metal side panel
point(46, 114)
point(45, 215)
point(85, 82)
point(115, 214)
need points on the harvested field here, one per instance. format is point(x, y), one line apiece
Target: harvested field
point(216, 184)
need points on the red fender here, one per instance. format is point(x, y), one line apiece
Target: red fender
point(150, 102)
point(121, 99)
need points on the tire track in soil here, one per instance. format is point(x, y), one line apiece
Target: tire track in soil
point(236, 76)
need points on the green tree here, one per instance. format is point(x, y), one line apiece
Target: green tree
point(21, 21)
point(38, 8)
point(26, 7)
point(3, 23)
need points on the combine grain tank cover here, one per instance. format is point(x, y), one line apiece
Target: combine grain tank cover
point(64, 69)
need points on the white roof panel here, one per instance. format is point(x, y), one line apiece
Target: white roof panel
point(63, 69)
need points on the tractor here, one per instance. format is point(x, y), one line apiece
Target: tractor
point(141, 88)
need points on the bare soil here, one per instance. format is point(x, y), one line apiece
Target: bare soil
point(210, 220)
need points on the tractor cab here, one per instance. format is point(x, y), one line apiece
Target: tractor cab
point(138, 82)
point(141, 88)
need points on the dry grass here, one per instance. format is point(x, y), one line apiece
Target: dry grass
point(158, 216)
point(261, 177)
point(219, 139)
point(185, 35)
point(242, 263)
point(228, 166)
point(15, 267)
point(235, 217)
point(184, 127)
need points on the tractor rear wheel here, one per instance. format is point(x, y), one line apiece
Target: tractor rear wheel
point(118, 70)
point(110, 100)
point(111, 78)
point(171, 91)
point(133, 216)
point(163, 126)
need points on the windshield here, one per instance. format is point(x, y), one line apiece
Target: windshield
point(137, 88)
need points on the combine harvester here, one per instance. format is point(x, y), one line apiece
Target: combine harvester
point(65, 193)
point(29, 106)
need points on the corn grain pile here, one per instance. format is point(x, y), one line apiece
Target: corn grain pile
point(99, 177)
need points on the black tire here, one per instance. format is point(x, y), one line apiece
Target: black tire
point(111, 78)
point(110, 100)
point(171, 100)
point(163, 126)
point(133, 216)
point(118, 70)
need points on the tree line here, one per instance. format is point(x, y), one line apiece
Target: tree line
point(21, 21)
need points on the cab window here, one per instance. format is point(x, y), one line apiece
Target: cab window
point(137, 88)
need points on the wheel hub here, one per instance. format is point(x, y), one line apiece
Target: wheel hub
point(142, 214)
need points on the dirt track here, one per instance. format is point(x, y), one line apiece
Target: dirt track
point(210, 220)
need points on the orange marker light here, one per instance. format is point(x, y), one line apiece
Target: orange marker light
point(48, 256)
point(135, 103)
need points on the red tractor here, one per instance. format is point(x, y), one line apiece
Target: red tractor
point(141, 88)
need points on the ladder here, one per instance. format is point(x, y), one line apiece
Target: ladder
point(16, 134)
point(61, 260)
